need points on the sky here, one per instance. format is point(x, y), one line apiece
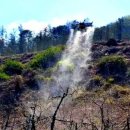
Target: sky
point(36, 14)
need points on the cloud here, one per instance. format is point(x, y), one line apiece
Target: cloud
point(36, 26)
point(57, 21)
point(12, 26)
point(32, 25)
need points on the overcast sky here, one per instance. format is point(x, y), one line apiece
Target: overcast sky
point(36, 14)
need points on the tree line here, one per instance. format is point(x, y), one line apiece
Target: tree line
point(118, 30)
point(26, 41)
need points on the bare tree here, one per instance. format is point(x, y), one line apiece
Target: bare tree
point(56, 111)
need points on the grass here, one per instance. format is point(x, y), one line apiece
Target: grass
point(111, 58)
point(12, 67)
point(122, 89)
point(4, 76)
point(46, 58)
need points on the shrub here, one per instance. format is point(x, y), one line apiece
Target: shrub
point(12, 67)
point(95, 82)
point(4, 76)
point(47, 58)
point(112, 66)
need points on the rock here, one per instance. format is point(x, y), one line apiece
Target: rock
point(97, 54)
point(94, 47)
point(126, 50)
point(112, 50)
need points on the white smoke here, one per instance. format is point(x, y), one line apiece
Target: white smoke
point(68, 74)
point(74, 61)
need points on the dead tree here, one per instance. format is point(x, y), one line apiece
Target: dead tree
point(56, 111)
point(6, 121)
point(32, 119)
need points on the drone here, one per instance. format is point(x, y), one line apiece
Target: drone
point(81, 26)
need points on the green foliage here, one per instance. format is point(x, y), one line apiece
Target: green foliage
point(110, 80)
point(45, 79)
point(4, 76)
point(12, 67)
point(47, 58)
point(66, 64)
point(27, 42)
point(112, 65)
point(111, 58)
point(1, 68)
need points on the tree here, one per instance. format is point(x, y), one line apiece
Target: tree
point(1, 46)
point(120, 28)
point(13, 43)
point(2, 39)
point(60, 34)
point(57, 109)
point(24, 40)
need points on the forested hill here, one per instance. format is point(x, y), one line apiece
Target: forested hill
point(26, 41)
point(118, 30)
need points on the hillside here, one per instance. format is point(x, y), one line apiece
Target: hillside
point(104, 103)
point(65, 65)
